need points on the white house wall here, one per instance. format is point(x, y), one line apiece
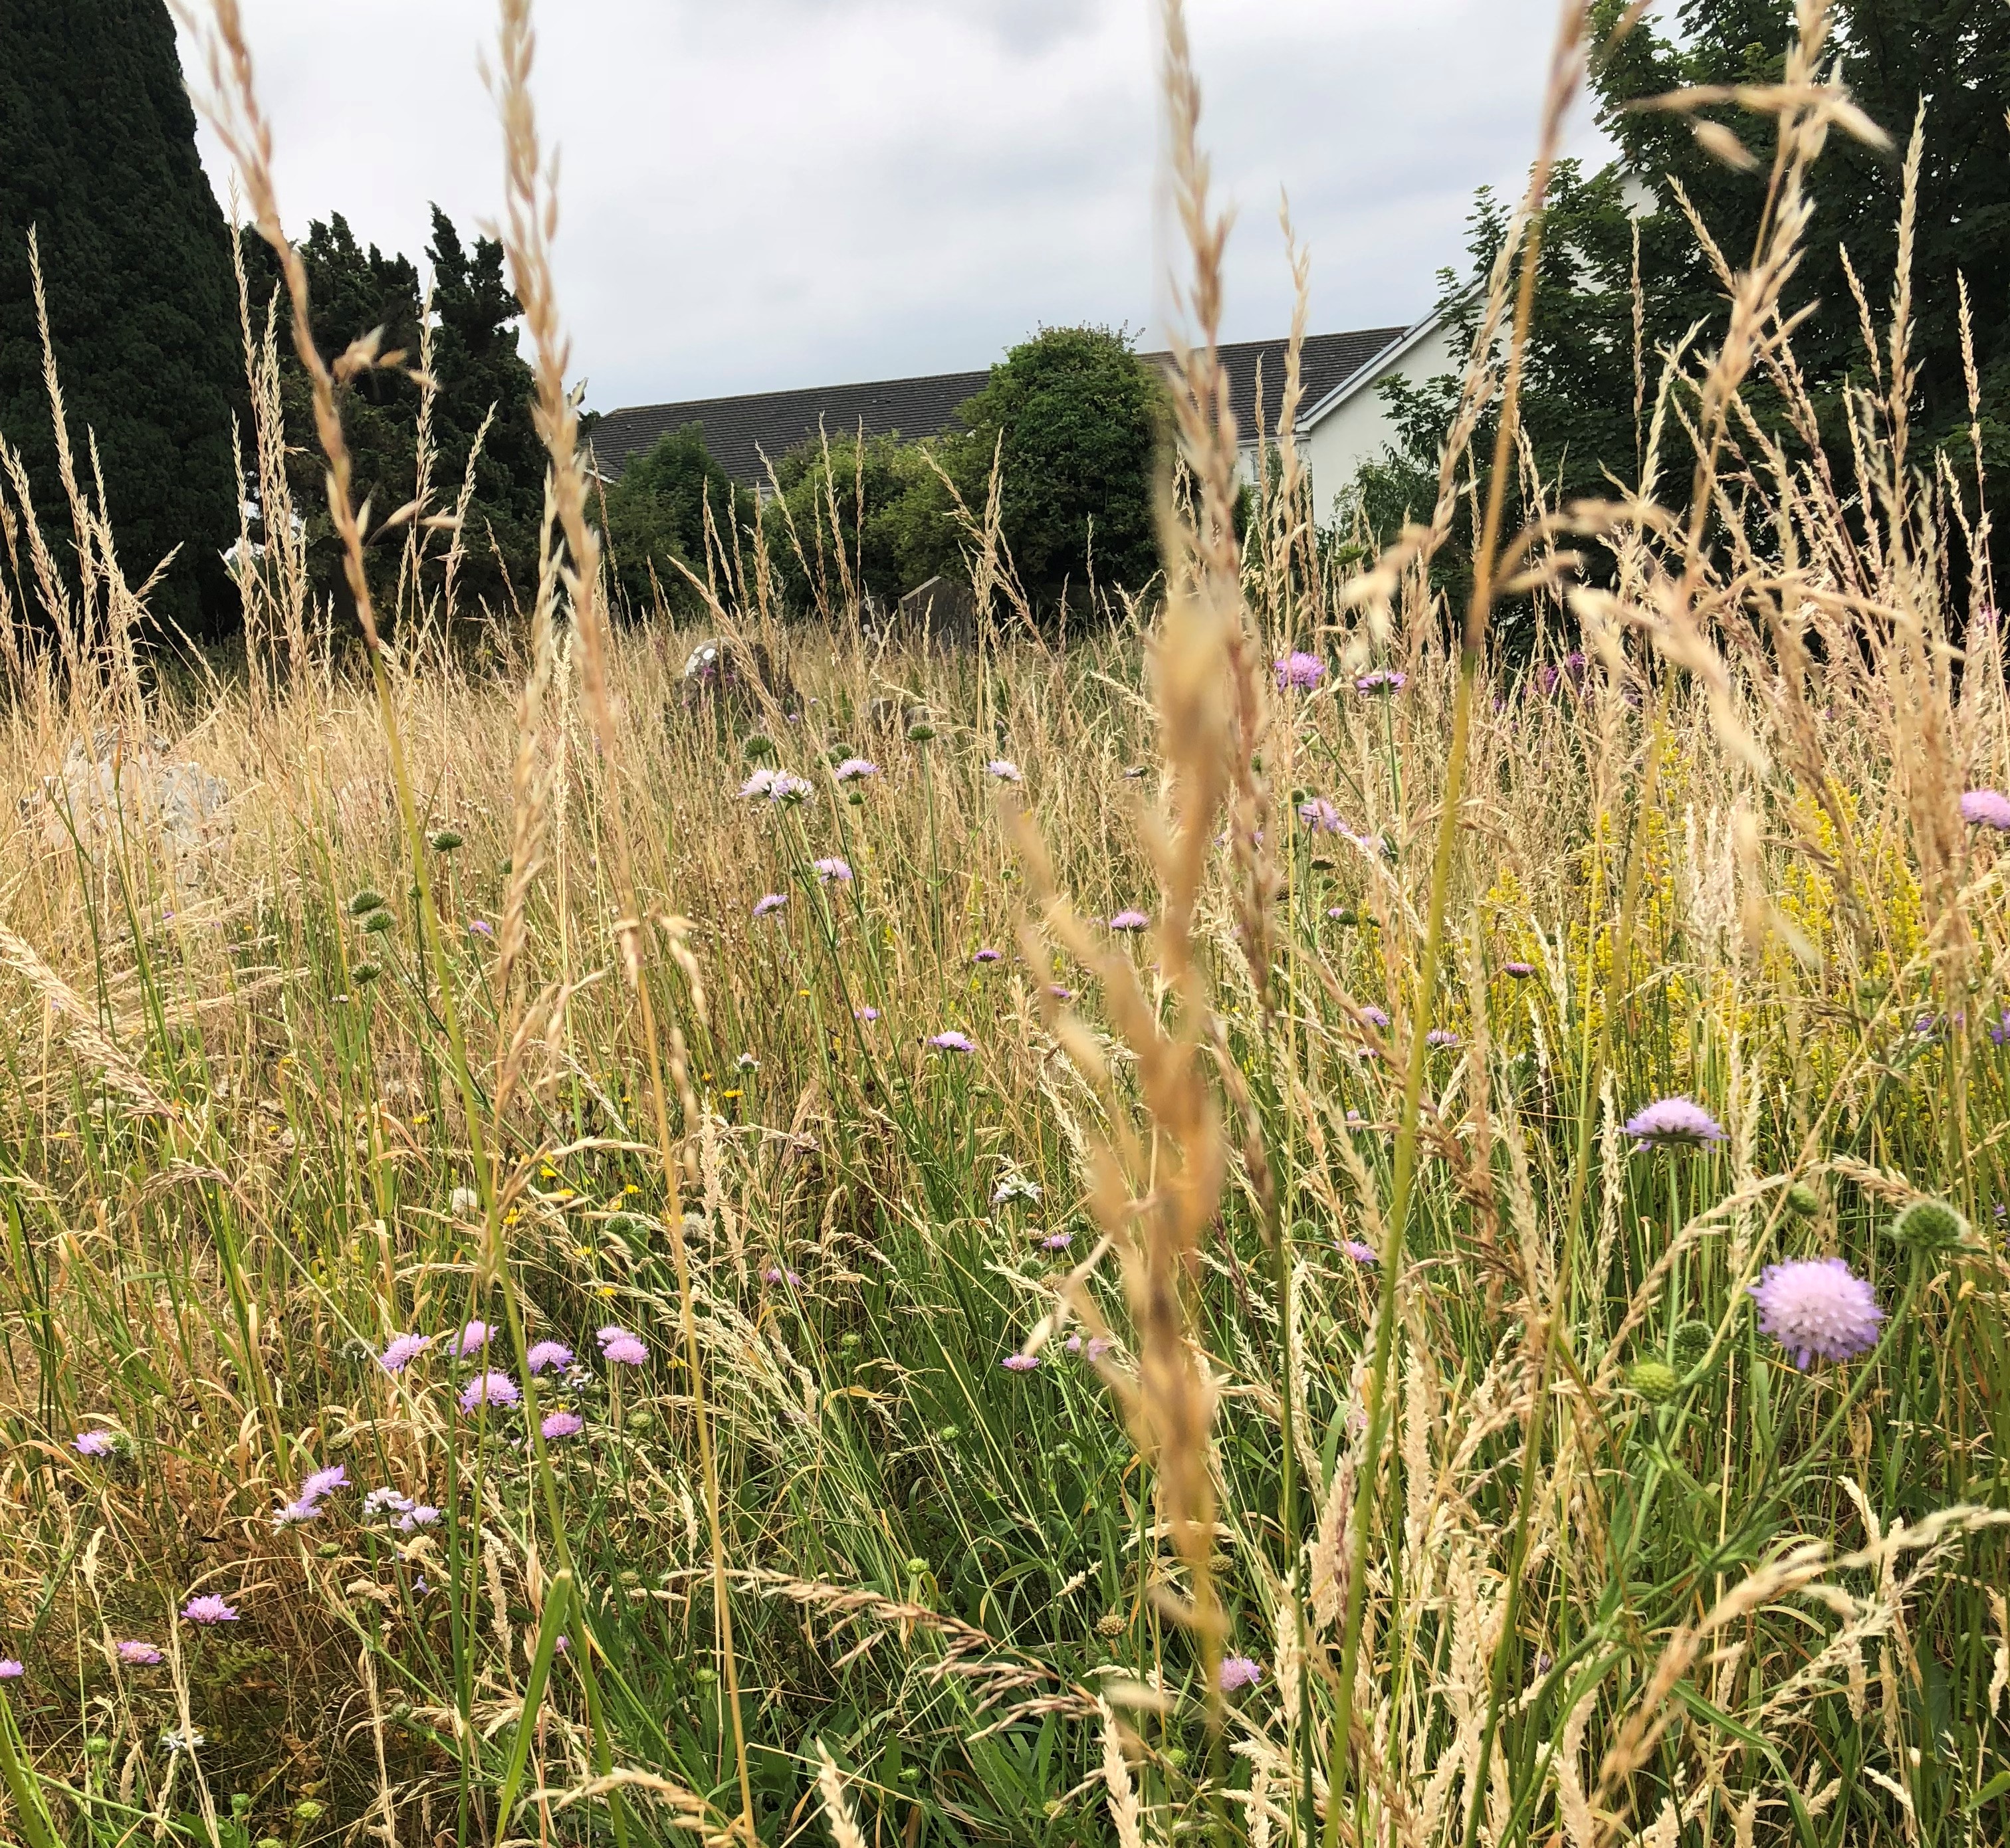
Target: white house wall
point(1359, 428)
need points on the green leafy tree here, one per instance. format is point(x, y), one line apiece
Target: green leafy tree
point(1581, 388)
point(656, 519)
point(880, 506)
point(1079, 423)
point(97, 152)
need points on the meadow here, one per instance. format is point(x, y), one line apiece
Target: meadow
point(1271, 1224)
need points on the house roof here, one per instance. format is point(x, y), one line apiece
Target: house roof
point(738, 431)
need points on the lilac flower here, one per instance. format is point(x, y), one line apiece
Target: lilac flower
point(1300, 670)
point(619, 1344)
point(953, 1041)
point(1129, 920)
point(1019, 1363)
point(1987, 808)
point(1072, 1344)
point(866, 1015)
point(1382, 680)
point(1005, 770)
point(10, 1670)
point(775, 1274)
point(1015, 1187)
point(550, 1354)
point(402, 1351)
point(1057, 1241)
point(95, 1443)
point(1361, 1253)
point(481, 926)
point(293, 1514)
point(1320, 816)
point(1060, 993)
point(563, 1424)
point(832, 869)
point(1099, 1346)
point(1239, 1672)
point(324, 1483)
point(420, 1516)
point(379, 1499)
point(209, 1609)
point(1521, 971)
point(787, 790)
point(1375, 1017)
point(1999, 1034)
point(769, 902)
point(1441, 1037)
point(1675, 1122)
point(1815, 1306)
point(138, 1654)
point(761, 784)
point(472, 1339)
point(853, 768)
point(988, 955)
point(491, 1387)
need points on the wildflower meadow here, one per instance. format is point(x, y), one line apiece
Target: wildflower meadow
point(1273, 1222)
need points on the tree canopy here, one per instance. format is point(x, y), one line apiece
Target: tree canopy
point(656, 519)
point(97, 152)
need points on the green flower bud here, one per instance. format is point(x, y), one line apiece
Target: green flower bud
point(307, 1810)
point(1655, 1381)
point(365, 902)
point(1803, 1200)
point(378, 921)
point(367, 971)
point(1926, 1226)
point(756, 746)
point(447, 840)
point(918, 1564)
point(1691, 1344)
point(920, 732)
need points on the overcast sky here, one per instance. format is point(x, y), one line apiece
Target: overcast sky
point(764, 193)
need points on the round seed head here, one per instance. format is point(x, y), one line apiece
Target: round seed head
point(448, 840)
point(1691, 1344)
point(1926, 1226)
point(367, 971)
point(1655, 1381)
point(920, 732)
point(378, 921)
point(757, 748)
point(1802, 1201)
point(365, 902)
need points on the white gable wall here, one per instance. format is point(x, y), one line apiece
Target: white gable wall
point(1353, 426)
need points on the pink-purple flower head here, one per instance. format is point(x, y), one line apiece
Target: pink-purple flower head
point(561, 1424)
point(1320, 816)
point(552, 1354)
point(1129, 921)
point(1019, 1363)
point(1520, 971)
point(832, 871)
point(1377, 1018)
point(1060, 993)
point(951, 1040)
point(776, 1274)
point(1015, 1187)
point(136, 1654)
point(760, 787)
point(95, 1443)
point(402, 1350)
point(769, 902)
point(621, 1346)
point(854, 769)
point(865, 1015)
point(480, 927)
point(418, 1515)
point(1817, 1309)
point(209, 1609)
point(491, 1387)
point(1383, 679)
point(324, 1483)
point(1987, 808)
point(10, 1669)
point(472, 1339)
point(1299, 670)
point(1675, 1122)
point(1239, 1672)
point(1057, 1241)
point(987, 954)
point(1361, 1253)
point(1442, 1038)
point(1005, 771)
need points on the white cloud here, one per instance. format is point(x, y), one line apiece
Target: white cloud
point(771, 192)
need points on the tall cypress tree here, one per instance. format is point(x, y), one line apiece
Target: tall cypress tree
point(97, 152)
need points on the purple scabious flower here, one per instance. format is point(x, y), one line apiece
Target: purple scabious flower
point(865, 1015)
point(1300, 670)
point(1099, 1346)
point(853, 768)
point(1320, 816)
point(563, 1424)
point(1060, 993)
point(1999, 1034)
point(787, 790)
point(1377, 1018)
point(323, 1483)
point(1521, 971)
point(769, 902)
point(1072, 1344)
point(378, 1499)
point(294, 1513)
point(775, 1274)
point(10, 1670)
point(1239, 1672)
point(1015, 1187)
point(1005, 770)
point(621, 1345)
point(1675, 1122)
point(138, 1654)
point(422, 1516)
point(832, 869)
point(1129, 920)
point(480, 927)
point(952, 1041)
point(550, 1354)
point(1361, 1253)
point(95, 1443)
point(1987, 808)
point(472, 1339)
point(491, 1387)
point(1384, 679)
point(209, 1609)
point(761, 784)
point(1816, 1307)
point(1441, 1036)
point(987, 954)
point(1019, 1363)
point(402, 1351)
point(1057, 1241)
